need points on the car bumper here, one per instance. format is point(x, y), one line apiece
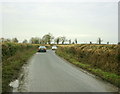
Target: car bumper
point(54, 49)
point(41, 50)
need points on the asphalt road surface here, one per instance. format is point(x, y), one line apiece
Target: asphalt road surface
point(47, 72)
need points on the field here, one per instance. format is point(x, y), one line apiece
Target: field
point(102, 60)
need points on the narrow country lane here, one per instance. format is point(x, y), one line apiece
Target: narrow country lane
point(47, 72)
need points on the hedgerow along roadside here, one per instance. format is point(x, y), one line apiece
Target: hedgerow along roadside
point(14, 55)
point(101, 60)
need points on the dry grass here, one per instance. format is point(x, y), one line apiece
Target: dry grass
point(102, 60)
point(100, 56)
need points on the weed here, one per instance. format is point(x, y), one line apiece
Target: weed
point(102, 60)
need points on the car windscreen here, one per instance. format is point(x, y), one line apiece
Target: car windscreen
point(42, 47)
point(54, 46)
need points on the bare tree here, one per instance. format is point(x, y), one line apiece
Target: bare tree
point(63, 39)
point(32, 40)
point(25, 41)
point(76, 41)
point(69, 41)
point(15, 40)
point(108, 42)
point(57, 40)
point(90, 42)
point(99, 40)
point(73, 42)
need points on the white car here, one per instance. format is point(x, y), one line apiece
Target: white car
point(54, 47)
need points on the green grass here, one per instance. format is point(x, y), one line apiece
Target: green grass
point(12, 66)
point(108, 76)
point(14, 55)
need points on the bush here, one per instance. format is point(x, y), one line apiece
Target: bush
point(9, 49)
point(104, 57)
point(14, 56)
point(101, 60)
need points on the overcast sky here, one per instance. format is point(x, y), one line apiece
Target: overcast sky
point(85, 21)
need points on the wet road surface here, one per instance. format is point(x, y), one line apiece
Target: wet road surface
point(47, 72)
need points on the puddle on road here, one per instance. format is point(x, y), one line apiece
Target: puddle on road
point(20, 84)
point(14, 85)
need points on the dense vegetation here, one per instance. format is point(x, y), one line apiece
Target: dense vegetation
point(9, 49)
point(102, 60)
point(14, 56)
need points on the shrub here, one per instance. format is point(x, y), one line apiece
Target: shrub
point(101, 60)
point(105, 57)
point(14, 56)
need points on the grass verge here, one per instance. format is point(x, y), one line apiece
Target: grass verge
point(108, 76)
point(12, 66)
